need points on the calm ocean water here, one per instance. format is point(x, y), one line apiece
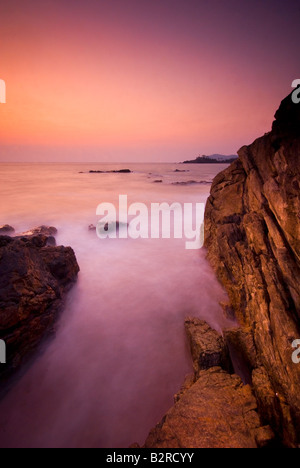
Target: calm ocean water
point(120, 353)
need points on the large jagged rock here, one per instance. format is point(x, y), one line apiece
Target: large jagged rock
point(214, 409)
point(208, 347)
point(33, 281)
point(252, 234)
point(218, 411)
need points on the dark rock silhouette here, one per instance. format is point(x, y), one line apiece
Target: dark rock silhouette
point(34, 279)
point(121, 171)
point(192, 182)
point(218, 159)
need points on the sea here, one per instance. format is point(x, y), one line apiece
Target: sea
point(120, 353)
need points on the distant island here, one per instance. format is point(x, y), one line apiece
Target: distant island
point(213, 159)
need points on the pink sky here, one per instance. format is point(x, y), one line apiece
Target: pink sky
point(128, 80)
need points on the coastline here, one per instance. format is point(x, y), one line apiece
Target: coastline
point(251, 245)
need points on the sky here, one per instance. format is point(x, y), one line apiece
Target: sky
point(142, 80)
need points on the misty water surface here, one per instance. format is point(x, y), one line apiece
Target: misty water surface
point(120, 352)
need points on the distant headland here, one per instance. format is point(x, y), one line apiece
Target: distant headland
point(213, 159)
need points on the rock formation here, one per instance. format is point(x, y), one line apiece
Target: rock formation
point(214, 409)
point(218, 411)
point(208, 347)
point(34, 278)
point(252, 234)
point(6, 230)
point(41, 230)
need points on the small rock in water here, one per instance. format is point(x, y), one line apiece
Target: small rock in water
point(109, 226)
point(106, 227)
point(192, 182)
point(41, 230)
point(121, 171)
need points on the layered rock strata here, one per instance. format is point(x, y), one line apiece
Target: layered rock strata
point(252, 234)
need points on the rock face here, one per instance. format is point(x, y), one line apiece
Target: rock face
point(208, 347)
point(252, 234)
point(33, 281)
point(218, 411)
point(213, 409)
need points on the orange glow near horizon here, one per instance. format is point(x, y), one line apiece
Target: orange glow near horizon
point(84, 81)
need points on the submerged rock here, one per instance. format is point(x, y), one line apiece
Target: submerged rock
point(252, 234)
point(34, 279)
point(112, 226)
point(192, 182)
